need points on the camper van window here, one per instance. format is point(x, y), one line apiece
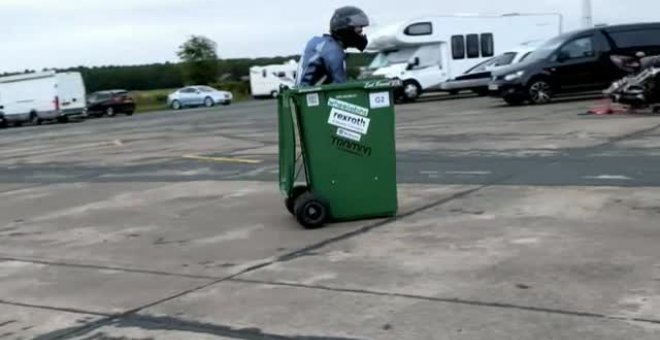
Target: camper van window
point(473, 46)
point(422, 28)
point(458, 47)
point(487, 45)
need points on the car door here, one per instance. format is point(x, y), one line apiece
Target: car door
point(576, 65)
point(187, 96)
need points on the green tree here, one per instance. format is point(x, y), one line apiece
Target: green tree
point(199, 60)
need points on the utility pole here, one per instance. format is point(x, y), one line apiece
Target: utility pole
point(587, 17)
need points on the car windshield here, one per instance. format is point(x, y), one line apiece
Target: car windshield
point(388, 58)
point(547, 48)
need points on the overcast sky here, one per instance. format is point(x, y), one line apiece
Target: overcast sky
point(61, 33)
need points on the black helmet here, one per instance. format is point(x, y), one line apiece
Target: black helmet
point(348, 17)
point(343, 24)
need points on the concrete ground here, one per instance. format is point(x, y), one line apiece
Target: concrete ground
point(515, 223)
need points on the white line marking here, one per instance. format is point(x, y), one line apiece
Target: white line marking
point(429, 172)
point(610, 177)
point(475, 173)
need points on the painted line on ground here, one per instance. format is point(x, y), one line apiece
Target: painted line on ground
point(222, 159)
point(610, 177)
point(471, 173)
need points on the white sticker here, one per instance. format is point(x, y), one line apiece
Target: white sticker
point(349, 134)
point(349, 121)
point(313, 99)
point(379, 99)
point(348, 107)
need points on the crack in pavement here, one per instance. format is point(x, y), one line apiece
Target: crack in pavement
point(54, 309)
point(86, 329)
point(451, 301)
point(118, 269)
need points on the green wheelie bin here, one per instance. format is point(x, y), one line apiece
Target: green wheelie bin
point(341, 139)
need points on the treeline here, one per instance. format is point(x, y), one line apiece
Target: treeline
point(171, 75)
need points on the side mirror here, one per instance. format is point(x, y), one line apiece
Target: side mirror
point(414, 63)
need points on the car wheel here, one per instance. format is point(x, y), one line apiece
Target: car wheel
point(176, 105)
point(540, 92)
point(34, 119)
point(411, 90)
point(208, 102)
point(110, 112)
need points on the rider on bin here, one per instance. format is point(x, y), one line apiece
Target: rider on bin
point(324, 59)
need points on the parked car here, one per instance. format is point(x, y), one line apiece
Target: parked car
point(192, 96)
point(3, 122)
point(574, 62)
point(477, 78)
point(110, 103)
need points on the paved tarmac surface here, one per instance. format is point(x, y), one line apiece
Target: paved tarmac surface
point(515, 223)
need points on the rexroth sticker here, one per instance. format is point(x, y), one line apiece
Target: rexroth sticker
point(349, 121)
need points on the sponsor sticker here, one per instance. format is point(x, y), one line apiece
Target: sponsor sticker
point(379, 99)
point(349, 134)
point(349, 121)
point(348, 107)
point(313, 99)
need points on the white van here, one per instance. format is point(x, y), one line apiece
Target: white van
point(265, 80)
point(71, 93)
point(41, 96)
point(426, 52)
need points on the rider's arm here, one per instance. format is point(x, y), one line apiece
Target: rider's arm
point(335, 65)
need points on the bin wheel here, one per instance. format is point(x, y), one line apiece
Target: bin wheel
point(310, 212)
point(290, 201)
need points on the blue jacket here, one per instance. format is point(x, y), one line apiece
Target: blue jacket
point(323, 62)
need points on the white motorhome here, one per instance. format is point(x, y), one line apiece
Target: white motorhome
point(265, 80)
point(426, 52)
point(41, 96)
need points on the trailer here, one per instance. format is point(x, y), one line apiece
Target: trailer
point(265, 80)
point(41, 96)
point(426, 52)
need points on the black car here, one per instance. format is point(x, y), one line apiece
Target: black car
point(110, 103)
point(577, 61)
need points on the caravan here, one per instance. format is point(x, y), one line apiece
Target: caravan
point(265, 80)
point(41, 96)
point(426, 52)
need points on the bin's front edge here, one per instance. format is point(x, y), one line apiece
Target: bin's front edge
point(287, 143)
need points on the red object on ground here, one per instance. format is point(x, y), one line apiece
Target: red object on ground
point(608, 108)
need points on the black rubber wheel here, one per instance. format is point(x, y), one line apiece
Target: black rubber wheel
point(296, 192)
point(411, 91)
point(540, 92)
point(310, 212)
